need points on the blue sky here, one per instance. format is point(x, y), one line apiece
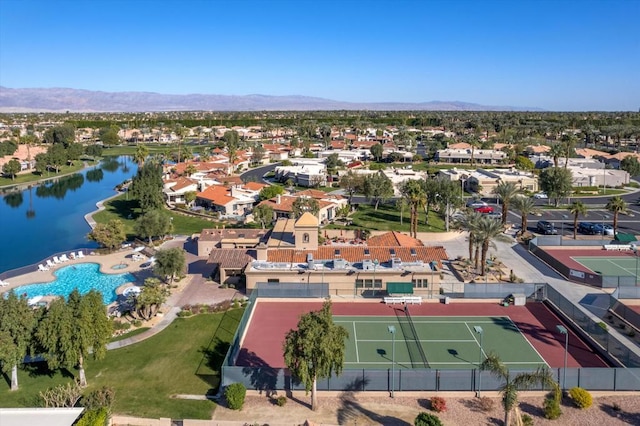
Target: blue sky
point(558, 55)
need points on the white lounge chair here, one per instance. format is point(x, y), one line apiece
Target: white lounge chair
point(41, 267)
point(64, 258)
point(50, 263)
point(72, 255)
point(56, 260)
point(3, 283)
point(80, 254)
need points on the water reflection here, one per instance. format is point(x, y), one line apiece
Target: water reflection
point(110, 164)
point(95, 175)
point(14, 199)
point(59, 188)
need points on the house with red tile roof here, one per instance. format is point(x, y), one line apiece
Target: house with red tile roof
point(175, 189)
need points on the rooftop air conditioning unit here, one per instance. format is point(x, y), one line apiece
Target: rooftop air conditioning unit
point(367, 264)
point(339, 263)
point(396, 262)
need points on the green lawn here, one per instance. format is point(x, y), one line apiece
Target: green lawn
point(35, 177)
point(185, 358)
point(387, 218)
point(127, 211)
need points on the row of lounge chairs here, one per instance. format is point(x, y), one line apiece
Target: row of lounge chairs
point(3, 283)
point(51, 263)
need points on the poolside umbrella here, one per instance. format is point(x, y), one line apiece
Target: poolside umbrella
point(137, 249)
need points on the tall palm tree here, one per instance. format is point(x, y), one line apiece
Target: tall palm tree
point(616, 205)
point(556, 152)
point(413, 192)
point(506, 191)
point(577, 208)
point(469, 223)
point(489, 230)
point(522, 381)
point(525, 206)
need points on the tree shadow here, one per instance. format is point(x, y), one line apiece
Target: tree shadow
point(351, 410)
point(619, 413)
point(209, 368)
point(532, 410)
point(263, 378)
point(39, 369)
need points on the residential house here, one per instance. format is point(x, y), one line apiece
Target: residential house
point(484, 181)
point(480, 156)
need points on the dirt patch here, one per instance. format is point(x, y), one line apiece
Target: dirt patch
point(358, 409)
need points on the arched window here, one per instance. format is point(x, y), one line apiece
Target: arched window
point(305, 238)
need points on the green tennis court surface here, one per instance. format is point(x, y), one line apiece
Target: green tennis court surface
point(616, 266)
point(434, 342)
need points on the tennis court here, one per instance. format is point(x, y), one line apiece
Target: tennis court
point(434, 342)
point(614, 266)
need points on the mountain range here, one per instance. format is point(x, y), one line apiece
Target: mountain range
point(77, 100)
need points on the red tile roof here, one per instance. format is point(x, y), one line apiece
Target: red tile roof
point(355, 254)
point(394, 239)
point(217, 194)
point(255, 186)
point(230, 258)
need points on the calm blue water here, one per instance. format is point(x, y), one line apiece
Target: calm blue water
point(84, 277)
point(49, 218)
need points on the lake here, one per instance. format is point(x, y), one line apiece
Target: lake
point(49, 217)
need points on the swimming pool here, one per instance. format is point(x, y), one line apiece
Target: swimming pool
point(84, 277)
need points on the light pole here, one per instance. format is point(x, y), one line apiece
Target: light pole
point(375, 265)
point(562, 329)
point(392, 330)
point(604, 216)
point(564, 217)
point(462, 181)
point(634, 247)
point(479, 330)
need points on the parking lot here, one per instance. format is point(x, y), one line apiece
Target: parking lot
point(563, 220)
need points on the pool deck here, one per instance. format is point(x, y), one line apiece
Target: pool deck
point(139, 269)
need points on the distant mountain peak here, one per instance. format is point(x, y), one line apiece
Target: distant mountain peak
point(80, 100)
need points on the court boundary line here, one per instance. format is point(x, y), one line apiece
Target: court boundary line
point(446, 363)
point(529, 343)
point(484, 354)
point(420, 340)
point(631, 274)
point(355, 340)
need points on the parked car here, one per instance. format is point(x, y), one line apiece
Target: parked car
point(605, 229)
point(589, 228)
point(541, 195)
point(474, 202)
point(546, 228)
point(484, 209)
point(496, 216)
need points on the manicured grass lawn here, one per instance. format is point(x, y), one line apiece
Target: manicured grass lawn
point(387, 218)
point(184, 358)
point(131, 333)
point(127, 211)
point(34, 177)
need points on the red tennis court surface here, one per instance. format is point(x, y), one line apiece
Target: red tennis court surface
point(271, 320)
point(566, 255)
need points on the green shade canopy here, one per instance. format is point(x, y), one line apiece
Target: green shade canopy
point(400, 288)
point(625, 238)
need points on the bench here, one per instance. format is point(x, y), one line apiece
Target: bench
point(617, 247)
point(414, 300)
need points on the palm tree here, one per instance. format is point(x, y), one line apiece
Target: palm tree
point(523, 381)
point(577, 208)
point(489, 229)
point(506, 191)
point(556, 152)
point(413, 192)
point(469, 223)
point(524, 206)
point(616, 205)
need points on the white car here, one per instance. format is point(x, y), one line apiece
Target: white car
point(541, 195)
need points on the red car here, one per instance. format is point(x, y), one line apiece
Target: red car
point(484, 209)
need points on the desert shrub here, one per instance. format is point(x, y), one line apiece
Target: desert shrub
point(121, 325)
point(234, 394)
point(581, 397)
point(281, 401)
point(427, 419)
point(136, 323)
point(527, 420)
point(631, 333)
point(615, 406)
point(486, 404)
point(438, 404)
point(183, 314)
point(551, 406)
point(96, 417)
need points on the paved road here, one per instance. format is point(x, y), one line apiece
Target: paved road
point(255, 175)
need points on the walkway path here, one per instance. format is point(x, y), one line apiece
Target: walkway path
point(198, 290)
